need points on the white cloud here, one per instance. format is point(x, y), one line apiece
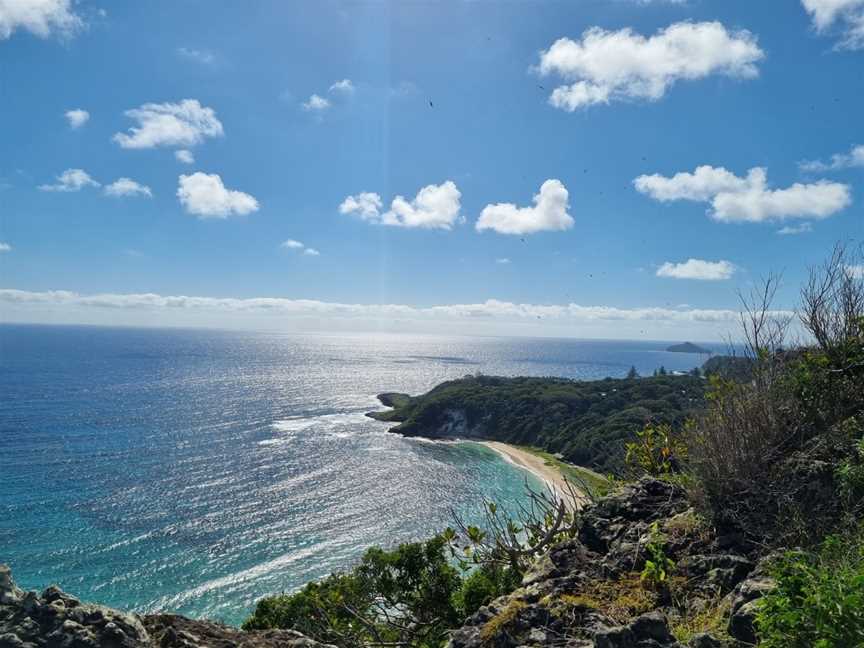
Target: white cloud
point(39, 17)
point(316, 103)
point(127, 187)
point(855, 271)
point(434, 207)
point(5, 247)
point(342, 87)
point(697, 269)
point(503, 261)
point(490, 315)
point(790, 230)
point(609, 66)
point(366, 204)
point(71, 180)
point(183, 124)
point(854, 158)
point(549, 213)
point(292, 244)
point(184, 156)
point(77, 117)
point(205, 196)
point(200, 56)
point(735, 199)
point(849, 13)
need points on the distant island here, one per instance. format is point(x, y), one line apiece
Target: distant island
point(687, 347)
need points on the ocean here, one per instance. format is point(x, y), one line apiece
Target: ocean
point(197, 470)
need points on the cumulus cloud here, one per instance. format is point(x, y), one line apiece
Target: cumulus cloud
point(735, 199)
point(316, 103)
point(199, 56)
point(367, 205)
point(5, 247)
point(127, 187)
point(77, 117)
point(205, 196)
point(605, 66)
point(849, 14)
point(434, 207)
point(548, 214)
point(791, 230)
point(292, 244)
point(697, 269)
point(183, 124)
point(40, 17)
point(71, 180)
point(184, 156)
point(342, 87)
point(503, 261)
point(854, 158)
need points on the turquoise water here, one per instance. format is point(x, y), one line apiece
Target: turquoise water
point(196, 471)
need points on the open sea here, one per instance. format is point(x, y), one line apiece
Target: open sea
point(196, 470)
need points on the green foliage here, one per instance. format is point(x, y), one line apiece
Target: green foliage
point(819, 599)
point(586, 421)
point(655, 574)
point(483, 585)
point(658, 451)
point(402, 596)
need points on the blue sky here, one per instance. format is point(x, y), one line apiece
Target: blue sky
point(482, 103)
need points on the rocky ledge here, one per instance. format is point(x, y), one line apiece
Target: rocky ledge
point(588, 592)
point(55, 619)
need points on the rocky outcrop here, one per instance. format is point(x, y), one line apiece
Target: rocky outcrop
point(587, 592)
point(55, 619)
point(745, 602)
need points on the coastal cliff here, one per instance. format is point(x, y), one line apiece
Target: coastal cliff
point(586, 422)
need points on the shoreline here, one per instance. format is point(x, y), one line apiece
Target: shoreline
point(537, 466)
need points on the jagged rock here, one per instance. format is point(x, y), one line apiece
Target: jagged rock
point(646, 631)
point(720, 572)
point(745, 603)
point(618, 525)
point(58, 620)
point(644, 501)
point(705, 640)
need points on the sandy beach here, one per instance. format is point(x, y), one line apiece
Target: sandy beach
point(535, 465)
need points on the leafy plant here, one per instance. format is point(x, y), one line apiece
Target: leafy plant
point(819, 599)
point(658, 567)
point(657, 451)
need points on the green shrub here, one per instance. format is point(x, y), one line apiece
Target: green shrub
point(658, 567)
point(819, 599)
point(399, 597)
point(657, 451)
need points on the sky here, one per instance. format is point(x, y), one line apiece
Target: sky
point(590, 168)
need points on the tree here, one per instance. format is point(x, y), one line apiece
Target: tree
point(632, 374)
point(403, 597)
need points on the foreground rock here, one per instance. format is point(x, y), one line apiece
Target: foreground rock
point(55, 619)
point(587, 592)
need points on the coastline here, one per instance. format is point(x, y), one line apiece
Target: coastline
point(540, 468)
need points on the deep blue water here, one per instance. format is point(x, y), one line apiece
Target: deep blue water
point(196, 471)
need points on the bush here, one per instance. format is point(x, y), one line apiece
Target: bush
point(819, 599)
point(775, 456)
point(400, 597)
point(657, 451)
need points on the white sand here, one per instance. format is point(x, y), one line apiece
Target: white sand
point(536, 465)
